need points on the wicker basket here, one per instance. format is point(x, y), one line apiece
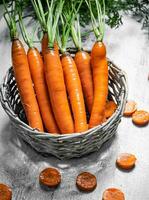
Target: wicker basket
point(71, 145)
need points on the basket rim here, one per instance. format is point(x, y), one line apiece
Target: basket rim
point(45, 135)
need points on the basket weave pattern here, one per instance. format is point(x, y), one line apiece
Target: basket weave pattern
point(70, 145)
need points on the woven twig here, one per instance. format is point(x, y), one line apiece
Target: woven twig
point(70, 145)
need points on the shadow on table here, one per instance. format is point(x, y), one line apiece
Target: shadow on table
point(15, 146)
point(20, 165)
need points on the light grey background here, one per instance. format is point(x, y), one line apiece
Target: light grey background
point(20, 165)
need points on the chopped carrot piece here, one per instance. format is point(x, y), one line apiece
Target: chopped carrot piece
point(5, 192)
point(113, 194)
point(140, 118)
point(86, 182)
point(110, 108)
point(50, 177)
point(126, 161)
point(130, 108)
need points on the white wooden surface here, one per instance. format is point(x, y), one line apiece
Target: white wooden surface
point(20, 165)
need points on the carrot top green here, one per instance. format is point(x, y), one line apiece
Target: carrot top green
point(10, 18)
point(99, 23)
point(76, 33)
point(67, 18)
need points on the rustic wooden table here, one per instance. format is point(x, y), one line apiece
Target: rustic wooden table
point(20, 165)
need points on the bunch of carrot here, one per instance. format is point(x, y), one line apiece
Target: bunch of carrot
point(57, 91)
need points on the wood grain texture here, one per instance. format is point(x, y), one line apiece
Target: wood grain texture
point(20, 165)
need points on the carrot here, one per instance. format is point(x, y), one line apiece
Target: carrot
point(100, 80)
point(113, 194)
point(24, 83)
point(140, 118)
point(21, 71)
point(126, 161)
point(130, 108)
point(73, 85)
point(110, 109)
point(82, 60)
point(37, 73)
point(99, 66)
point(57, 91)
point(44, 44)
point(71, 76)
point(53, 68)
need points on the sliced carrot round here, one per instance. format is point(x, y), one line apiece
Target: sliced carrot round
point(5, 192)
point(86, 181)
point(130, 108)
point(126, 161)
point(50, 177)
point(110, 108)
point(113, 194)
point(140, 118)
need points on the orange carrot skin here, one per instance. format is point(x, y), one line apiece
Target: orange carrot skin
point(56, 47)
point(25, 86)
point(38, 77)
point(100, 80)
point(57, 92)
point(74, 88)
point(44, 44)
point(82, 60)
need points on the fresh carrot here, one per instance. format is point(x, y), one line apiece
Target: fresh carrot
point(82, 60)
point(37, 73)
point(100, 80)
point(25, 86)
point(72, 79)
point(57, 91)
point(99, 66)
point(21, 71)
point(54, 74)
point(73, 85)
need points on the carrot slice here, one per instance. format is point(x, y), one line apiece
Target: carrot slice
point(126, 161)
point(140, 118)
point(113, 194)
point(5, 192)
point(86, 182)
point(50, 177)
point(130, 108)
point(110, 108)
